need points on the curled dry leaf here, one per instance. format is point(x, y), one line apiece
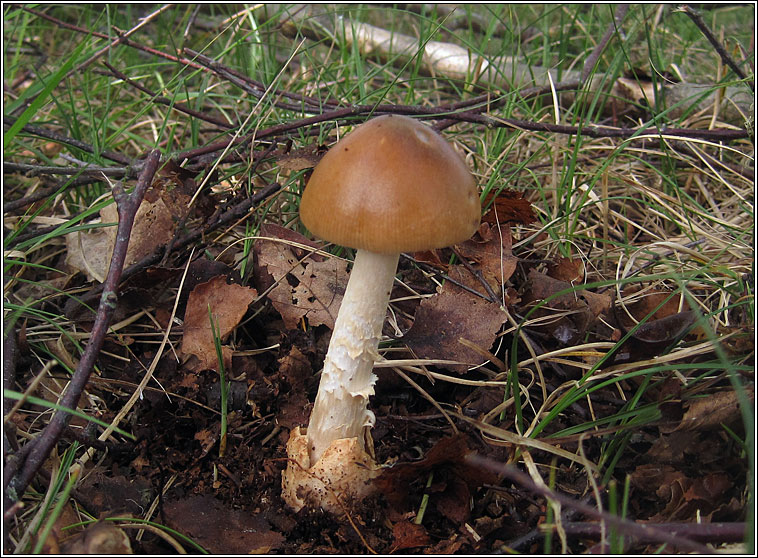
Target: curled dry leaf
point(448, 458)
point(228, 304)
point(115, 495)
point(102, 538)
point(508, 206)
point(682, 497)
point(90, 252)
point(453, 314)
point(578, 309)
point(490, 251)
point(566, 269)
point(647, 304)
point(713, 411)
point(300, 159)
point(663, 322)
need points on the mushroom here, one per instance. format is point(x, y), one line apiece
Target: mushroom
point(392, 185)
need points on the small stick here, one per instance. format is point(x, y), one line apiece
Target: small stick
point(60, 138)
point(127, 42)
point(166, 101)
point(254, 89)
point(589, 130)
point(127, 205)
point(120, 39)
point(34, 170)
point(592, 59)
point(631, 528)
point(698, 20)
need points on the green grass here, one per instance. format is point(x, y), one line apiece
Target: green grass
point(639, 213)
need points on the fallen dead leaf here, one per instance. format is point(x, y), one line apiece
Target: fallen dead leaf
point(295, 370)
point(153, 227)
point(684, 498)
point(115, 495)
point(566, 269)
point(443, 319)
point(308, 289)
point(509, 206)
point(220, 529)
point(175, 185)
point(646, 304)
point(207, 438)
point(713, 411)
point(452, 499)
point(653, 336)
point(447, 458)
point(408, 535)
point(300, 159)
point(228, 303)
point(90, 252)
point(490, 251)
point(102, 538)
point(65, 527)
point(579, 308)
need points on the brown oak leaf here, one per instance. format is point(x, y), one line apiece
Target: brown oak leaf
point(302, 288)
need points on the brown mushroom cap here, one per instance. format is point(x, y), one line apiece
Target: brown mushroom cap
point(391, 185)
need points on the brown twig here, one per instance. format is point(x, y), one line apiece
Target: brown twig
point(613, 28)
point(624, 526)
point(237, 212)
point(127, 206)
point(42, 193)
point(745, 171)
point(120, 39)
point(34, 170)
point(257, 89)
point(60, 138)
point(698, 20)
point(10, 356)
point(589, 130)
point(127, 42)
point(701, 532)
point(479, 276)
point(155, 98)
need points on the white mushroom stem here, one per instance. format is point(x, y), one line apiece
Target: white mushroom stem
point(347, 381)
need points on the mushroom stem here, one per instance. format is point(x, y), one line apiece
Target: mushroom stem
point(347, 381)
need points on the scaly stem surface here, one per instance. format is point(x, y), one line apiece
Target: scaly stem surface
point(347, 381)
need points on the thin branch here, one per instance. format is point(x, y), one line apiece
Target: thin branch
point(613, 28)
point(127, 42)
point(590, 130)
point(120, 39)
point(454, 62)
point(624, 526)
point(127, 206)
point(34, 170)
point(154, 97)
point(232, 215)
point(698, 20)
point(60, 138)
point(257, 89)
